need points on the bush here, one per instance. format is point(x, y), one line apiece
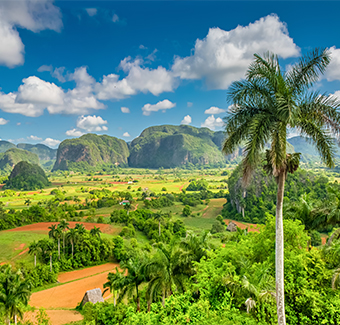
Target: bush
point(217, 227)
point(186, 211)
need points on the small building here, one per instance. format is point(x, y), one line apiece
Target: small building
point(124, 202)
point(130, 182)
point(94, 296)
point(232, 227)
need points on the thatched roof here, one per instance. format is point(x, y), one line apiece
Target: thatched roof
point(232, 227)
point(94, 296)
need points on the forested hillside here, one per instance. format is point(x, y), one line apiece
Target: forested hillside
point(12, 156)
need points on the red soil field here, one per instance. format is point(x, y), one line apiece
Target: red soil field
point(251, 226)
point(43, 226)
point(79, 274)
point(68, 295)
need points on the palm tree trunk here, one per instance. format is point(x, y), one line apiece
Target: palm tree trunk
point(35, 259)
point(149, 305)
point(64, 243)
point(138, 299)
point(279, 254)
point(51, 263)
point(114, 297)
point(72, 247)
point(59, 248)
point(163, 298)
point(159, 228)
point(15, 319)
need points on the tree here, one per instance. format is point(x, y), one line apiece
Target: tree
point(264, 107)
point(47, 248)
point(28, 202)
point(14, 292)
point(63, 225)
point(80, 228)
point(95, 232)
point(34, 249)
point(72, 236)
point(115, 282)
point(158, 216)
point(55, 233)
point(128, 207)
point(186, 211)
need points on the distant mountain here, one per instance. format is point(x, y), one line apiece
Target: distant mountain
point(5, 145)
point(43, 152)
point(91, 149)
point(171, 146)
point(12, 156)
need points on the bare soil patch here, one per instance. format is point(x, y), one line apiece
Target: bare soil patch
point(24, 251)
point(68, 295)
point(21, 246)
point(43, 226)
point(58, 317)
point(79, 274)
point(252, 227)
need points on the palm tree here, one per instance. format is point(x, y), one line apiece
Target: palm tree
point(72, 236)
point(158, 216)
point(115, 282)
point(34, 249)
point(135, 277)
point(80, 229)
point(128, 207)
point(165, 271)
point(264, 107)
point(55, 233)
point(47, 247)
point(14, 292)
point(64, 225)
point(95, 232)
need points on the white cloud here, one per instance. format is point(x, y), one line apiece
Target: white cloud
point(91, 123)
point(152, 56)
point(45, 67)
point(212, 123)
point(160, 106)
point(3, 121)
point(333, 70)
point(115, 18)
point(74, 133)
point(33, 138)
point(214, 110)
point(51, 142)
point(142, 47)
point(126, 135)
point(29, 14)
point(57, 73)
point(186, 120)
point(189, 104)
point(125, 110)
point(91, 11)
point(19, 123)
point(139, 79)
point(224, 56)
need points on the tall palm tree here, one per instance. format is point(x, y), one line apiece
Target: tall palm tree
point(159, 217)
point(14, 292)
point(52, 230)
point(58, 235)
point(264, 107)
point(95, 232)
point(34, 249)
point(80, 229)
point(64, 225)
point(72, 236)
point(115, 282)
point(47, 248)
point(135, 277)
point(165, 271)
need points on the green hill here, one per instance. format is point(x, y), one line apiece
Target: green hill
point(26, 176)
point(5, 145)
point(170, 146)
point(91, 150)
point(43, 152)
point(12, 156)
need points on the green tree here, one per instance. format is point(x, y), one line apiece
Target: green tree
point(72, 236)
point(34, 249)
point(95, 232)
point(80, 228)
point(55, 233)
point(115, 282)
point(264, 107)
point(64, 225)
point(128, 207)
point(186, 211)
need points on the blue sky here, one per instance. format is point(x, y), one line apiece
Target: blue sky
point(107, 67)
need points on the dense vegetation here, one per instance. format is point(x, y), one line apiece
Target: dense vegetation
point(12, 156)
point(25, 176)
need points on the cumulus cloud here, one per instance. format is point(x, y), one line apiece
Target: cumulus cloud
point(160, 106)
point(224, 56)
point(125, 110)
point(142, 47)
point(214, 110)
point(115, 18)
point(74, 133)
point(30, 14)
point(139, 79)
point(126, 135)
point(3, 121)
point(57, 73)
point(35, 95)
point(333, 70)
point(51, 142)
point(189, 104)
point(34, 138)
point(186, 120)
point(91, 123)
point(91, 11)
point(212, 123)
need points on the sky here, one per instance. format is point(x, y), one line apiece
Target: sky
point(72, 67)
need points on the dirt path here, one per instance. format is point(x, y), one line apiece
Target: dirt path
point(80, 274)
point(43, 226)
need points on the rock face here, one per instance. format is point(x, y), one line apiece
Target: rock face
point(12, 156)
point(91, 149)
point(42, 151)
point(171, 146)
point(232, 227)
